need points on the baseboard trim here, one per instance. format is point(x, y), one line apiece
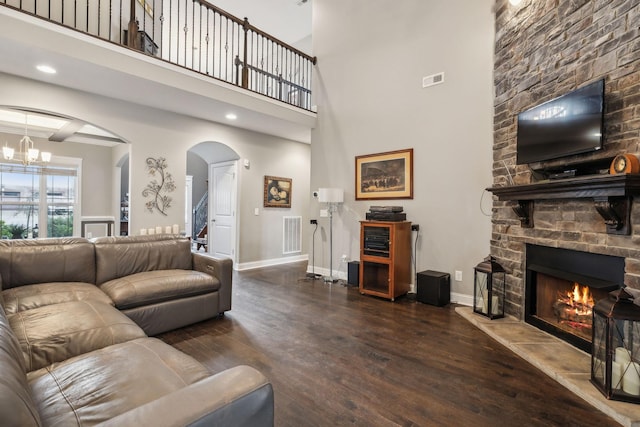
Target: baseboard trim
point(462, 299)
point(269, 262)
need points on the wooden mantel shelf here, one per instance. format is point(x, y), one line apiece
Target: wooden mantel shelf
point(612, 196)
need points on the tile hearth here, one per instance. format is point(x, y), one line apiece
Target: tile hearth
point(561, 361)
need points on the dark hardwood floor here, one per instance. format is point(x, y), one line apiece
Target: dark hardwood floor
point(336, 357)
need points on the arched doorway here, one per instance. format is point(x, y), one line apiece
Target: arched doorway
point(212, 167)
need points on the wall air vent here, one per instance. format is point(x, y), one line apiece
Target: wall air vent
point(291, 234)
point(433, 79)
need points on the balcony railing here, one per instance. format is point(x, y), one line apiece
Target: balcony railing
point(192, 34)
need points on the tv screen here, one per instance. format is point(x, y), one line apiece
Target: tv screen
point(567, 125)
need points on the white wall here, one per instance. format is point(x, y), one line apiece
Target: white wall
point(372, 55)
point(157, 133)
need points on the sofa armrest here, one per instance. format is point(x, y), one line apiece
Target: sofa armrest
point(240, 396)
point(220, 268)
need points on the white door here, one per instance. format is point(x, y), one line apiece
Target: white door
point(222, 209)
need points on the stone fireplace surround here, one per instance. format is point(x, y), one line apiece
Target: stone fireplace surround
point(544, 49)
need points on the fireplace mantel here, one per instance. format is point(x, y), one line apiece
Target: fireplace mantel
point(612, 196)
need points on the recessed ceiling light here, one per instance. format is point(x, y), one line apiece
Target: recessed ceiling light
point(231, 116)
point(46, 69)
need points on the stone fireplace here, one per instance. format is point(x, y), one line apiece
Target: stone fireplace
point(562, 286)
point(543, 50)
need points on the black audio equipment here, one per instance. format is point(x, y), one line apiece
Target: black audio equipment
point(376, 241)
point(386, 208)
point(433, 287)
point(386, 216)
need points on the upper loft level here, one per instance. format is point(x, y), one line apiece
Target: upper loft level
point(187, 57)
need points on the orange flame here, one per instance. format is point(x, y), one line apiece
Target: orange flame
point(580, 299)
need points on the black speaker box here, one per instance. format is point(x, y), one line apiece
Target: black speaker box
point(434, 287)
point(353, 273)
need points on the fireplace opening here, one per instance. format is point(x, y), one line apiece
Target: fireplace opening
point(562, 286)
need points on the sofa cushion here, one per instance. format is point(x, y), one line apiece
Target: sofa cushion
point(33, 296)
point(122, 256)
point(29, 261)
point(57, 332)
point(100, 385)
point(153, 287)
point(16, 405)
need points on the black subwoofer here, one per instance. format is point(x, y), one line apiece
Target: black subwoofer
point(434, 287)
point(353, 273)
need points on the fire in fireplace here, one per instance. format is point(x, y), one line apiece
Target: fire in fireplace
point(562, 286)
point(575, 307)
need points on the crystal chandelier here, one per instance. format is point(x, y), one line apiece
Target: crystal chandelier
point(28, 153)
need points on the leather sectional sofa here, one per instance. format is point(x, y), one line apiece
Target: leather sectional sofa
point(75, 316)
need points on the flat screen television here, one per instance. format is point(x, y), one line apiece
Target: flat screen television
point(567, 125)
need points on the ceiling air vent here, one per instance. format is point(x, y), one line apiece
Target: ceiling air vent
point(433, 79)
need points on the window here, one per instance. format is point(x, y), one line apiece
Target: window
point(39, 201)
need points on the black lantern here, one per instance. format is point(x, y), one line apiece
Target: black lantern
point(489, 289)
point(615, 354)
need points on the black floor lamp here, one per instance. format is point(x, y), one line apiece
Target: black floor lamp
point(332, 197)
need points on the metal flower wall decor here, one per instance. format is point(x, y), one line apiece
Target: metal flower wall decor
point(161, 202)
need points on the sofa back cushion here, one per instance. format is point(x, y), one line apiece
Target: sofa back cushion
point(16, 403)
point(122, 256)
point(30, 261)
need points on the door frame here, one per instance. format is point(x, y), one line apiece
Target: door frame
point(234, 231)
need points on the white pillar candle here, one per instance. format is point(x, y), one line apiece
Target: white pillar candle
point(622, 355)
point(158, 230)
point(484, 302)
point(143, 231)
point(152, 231)
point(494, 305)
point(617, 369)
point(631, 379)
point(167, 229)
point(176, 229)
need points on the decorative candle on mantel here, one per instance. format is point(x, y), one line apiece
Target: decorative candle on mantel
point(176, 229)
point(152, 231)
point(167, 229)
point(158, 230)
point(143, 231)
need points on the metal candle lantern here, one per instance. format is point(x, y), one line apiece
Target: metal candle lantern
point(489, 289)
point(615, 354)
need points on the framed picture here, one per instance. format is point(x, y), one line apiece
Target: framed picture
point(277, 192)
point(385, 175)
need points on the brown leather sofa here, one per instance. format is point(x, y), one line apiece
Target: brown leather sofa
point(74, 320)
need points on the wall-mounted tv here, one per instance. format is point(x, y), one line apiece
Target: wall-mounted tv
point(570, 124)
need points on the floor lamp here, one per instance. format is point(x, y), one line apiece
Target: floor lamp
point(332, 197)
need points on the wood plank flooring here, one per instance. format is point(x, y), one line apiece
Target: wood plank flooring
point(336, 358)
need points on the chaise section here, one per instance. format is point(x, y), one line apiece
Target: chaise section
point(57, 332)
point(95, 387)
point(33, 296)
point(239, 397)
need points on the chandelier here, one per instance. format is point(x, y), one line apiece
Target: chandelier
point(27, 153)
